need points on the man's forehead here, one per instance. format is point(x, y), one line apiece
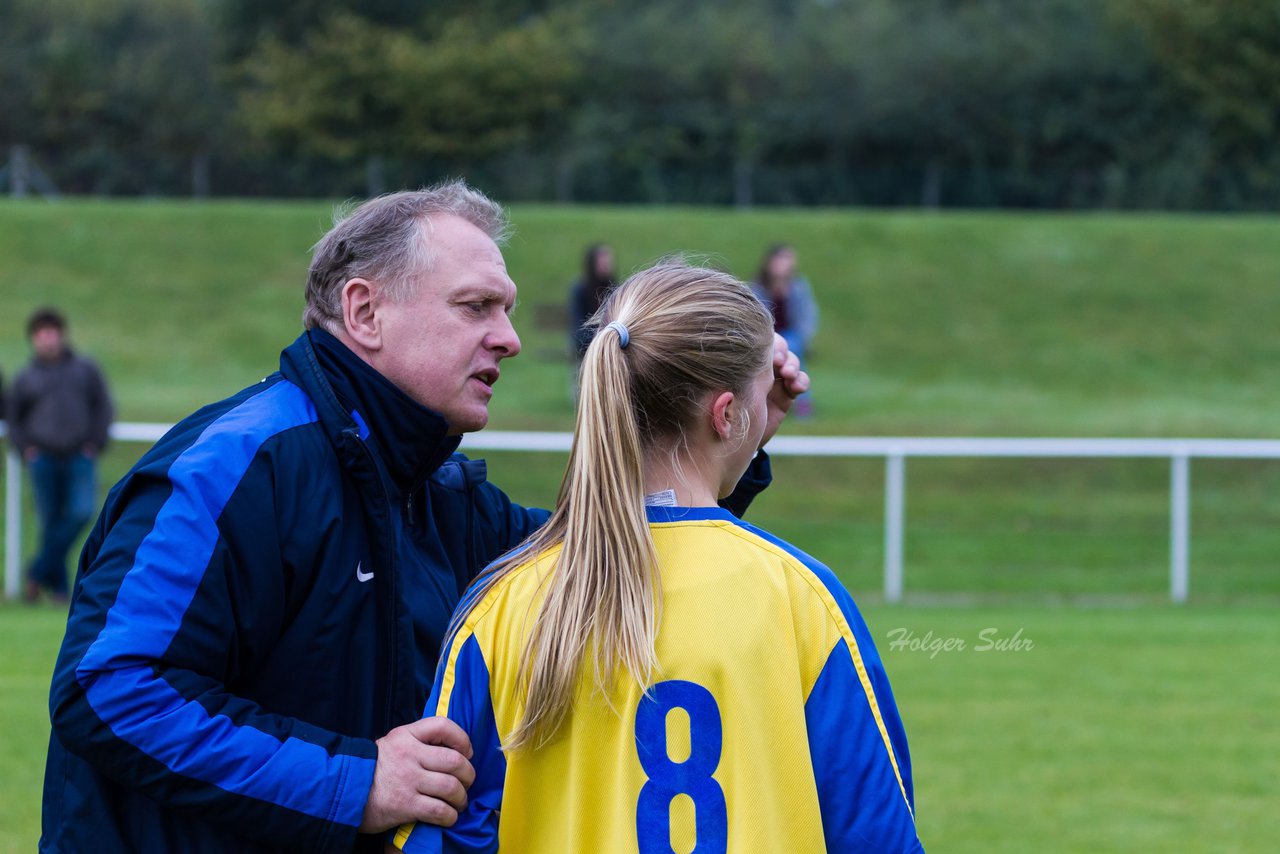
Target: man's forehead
point(465, 258)
point(444, 232)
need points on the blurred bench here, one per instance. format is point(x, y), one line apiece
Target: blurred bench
point(553, 317)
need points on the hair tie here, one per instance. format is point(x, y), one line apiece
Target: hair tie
point(624, 337)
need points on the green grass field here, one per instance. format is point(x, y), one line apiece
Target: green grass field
point(955, 324)
point(1131, 725)
point(1118, 730)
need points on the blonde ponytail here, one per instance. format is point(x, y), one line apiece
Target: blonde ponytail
point(690, 330)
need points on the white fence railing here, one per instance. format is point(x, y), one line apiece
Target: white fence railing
point(895, 452)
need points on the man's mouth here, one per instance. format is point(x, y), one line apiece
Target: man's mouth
point(488, 376)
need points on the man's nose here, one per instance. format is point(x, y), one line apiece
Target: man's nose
point(505, 338)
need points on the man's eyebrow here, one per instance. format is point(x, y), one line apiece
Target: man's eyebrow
point(480, 294)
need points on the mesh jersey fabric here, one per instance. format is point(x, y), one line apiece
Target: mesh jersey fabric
point(770, 725)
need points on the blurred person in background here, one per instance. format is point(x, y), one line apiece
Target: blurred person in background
point(599, 275)
point(59, 412)
point(790, 300)
point(646, 645)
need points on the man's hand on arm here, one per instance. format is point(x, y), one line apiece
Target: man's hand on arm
point(789, 383)
point(423, 773)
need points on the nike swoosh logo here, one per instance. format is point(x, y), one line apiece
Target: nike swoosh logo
point(362, 576)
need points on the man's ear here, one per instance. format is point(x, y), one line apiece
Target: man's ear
point(724, 414)
point(360, 314)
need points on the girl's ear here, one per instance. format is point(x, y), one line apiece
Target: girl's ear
point(359, 314)
point(724, 414)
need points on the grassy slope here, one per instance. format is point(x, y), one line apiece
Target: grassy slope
point(990, 324)
point(993, 324)
point(1117, 731)
point(977, 324)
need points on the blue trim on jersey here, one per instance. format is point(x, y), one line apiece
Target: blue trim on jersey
point(689, 514)
point(861, 634)
point(866, 648)
point(860, 800)
point(477, 828)
point(116, 671)
point(471, 707)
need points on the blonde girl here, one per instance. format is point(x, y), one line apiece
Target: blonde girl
point(649, 673)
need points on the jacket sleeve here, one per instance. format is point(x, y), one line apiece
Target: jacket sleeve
point(754, 480)
point(502, 525)
point(579, 314)
point(858, 746)
point(805, 308)
point(461, 692)
point(101, 409)
point(180, 585)
point(15, 412)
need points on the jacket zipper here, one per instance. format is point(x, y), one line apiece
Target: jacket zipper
point(389, 585)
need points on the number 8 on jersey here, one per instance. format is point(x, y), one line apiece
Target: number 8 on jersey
point(692, 777)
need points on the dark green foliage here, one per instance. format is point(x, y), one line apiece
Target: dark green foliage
point(977, 103)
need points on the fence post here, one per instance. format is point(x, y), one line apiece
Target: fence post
point(894, 500)
point(19, 160)
point(1179, 527)
point(12, 523)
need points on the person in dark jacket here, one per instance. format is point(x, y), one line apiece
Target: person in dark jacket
point(59, 412)
point(599, 276)
point(261, 603)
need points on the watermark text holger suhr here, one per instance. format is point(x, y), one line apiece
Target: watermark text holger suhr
point(989, 639)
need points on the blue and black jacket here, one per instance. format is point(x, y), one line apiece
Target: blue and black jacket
point(263, 595)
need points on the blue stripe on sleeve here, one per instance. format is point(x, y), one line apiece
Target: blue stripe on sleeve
point(148, 713)
point(861, 804)
point(866, 648)
point(470, 707)
point(116, 670)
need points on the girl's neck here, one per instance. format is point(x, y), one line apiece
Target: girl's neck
point(666, 470)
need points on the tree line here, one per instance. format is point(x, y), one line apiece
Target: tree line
point(977, 103)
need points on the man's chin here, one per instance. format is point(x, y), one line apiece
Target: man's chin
point(468, 424)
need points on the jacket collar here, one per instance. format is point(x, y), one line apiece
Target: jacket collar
point(350, 396)
point(65, 357)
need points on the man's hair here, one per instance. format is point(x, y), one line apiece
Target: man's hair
point(690, 331)
point(45, 318)
point(387, 241)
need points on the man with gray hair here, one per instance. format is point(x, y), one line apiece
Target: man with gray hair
point(260, 606)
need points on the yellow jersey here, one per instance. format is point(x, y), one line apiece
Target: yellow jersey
point(769, 726)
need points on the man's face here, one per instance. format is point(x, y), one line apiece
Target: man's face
point(47, 343)
point(442, 344)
